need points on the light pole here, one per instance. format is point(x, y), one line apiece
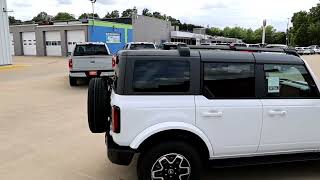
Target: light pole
point(264, 32)
point(288, 32)
point(92, 2)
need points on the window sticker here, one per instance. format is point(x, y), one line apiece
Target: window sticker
point(273, 85)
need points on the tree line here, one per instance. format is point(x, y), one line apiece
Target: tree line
point(306, 27)
point(248, 35)
point(45, 18)
point(305, 30)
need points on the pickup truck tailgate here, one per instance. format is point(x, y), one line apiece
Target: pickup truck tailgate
point(87, 63)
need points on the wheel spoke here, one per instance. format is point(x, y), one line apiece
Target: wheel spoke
point(171, 167)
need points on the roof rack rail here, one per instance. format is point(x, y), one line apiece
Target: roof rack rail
point(246, 49)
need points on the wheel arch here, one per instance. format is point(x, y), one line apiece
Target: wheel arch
point(174, 131)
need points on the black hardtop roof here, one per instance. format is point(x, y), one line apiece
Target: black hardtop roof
point(274, 57)
point(254, 57)
point(156, 53)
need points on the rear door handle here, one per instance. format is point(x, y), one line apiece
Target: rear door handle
point(212, 114)
point(277, 112)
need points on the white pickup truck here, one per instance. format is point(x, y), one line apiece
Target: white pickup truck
point(89, 60)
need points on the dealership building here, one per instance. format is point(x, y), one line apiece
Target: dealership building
point(5, 55)
point(60, 38)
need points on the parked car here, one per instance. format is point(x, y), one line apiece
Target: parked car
point(312, 51)
point(280, 46)
point(89, 60)
point(307, 51)
point(238, 45)
point(172, 45)
point(182, 109)
point(254, 45)
point(206, 44)
point(300, 50)
point(315, 48)
point(139, 46)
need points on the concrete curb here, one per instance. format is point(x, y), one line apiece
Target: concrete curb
point(15, 66)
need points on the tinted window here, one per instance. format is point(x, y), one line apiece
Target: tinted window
point(288, 81)
point(141, 46)
point(229, 80)
point(161, 76)
point(90, 49)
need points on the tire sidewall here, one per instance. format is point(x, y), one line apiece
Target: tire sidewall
point(149, 157)
point(98, 105)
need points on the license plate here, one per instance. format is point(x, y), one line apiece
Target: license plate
point(93, 73)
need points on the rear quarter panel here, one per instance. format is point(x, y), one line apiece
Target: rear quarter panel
point(141, 112)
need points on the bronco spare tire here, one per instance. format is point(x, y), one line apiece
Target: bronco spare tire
point(99, 108)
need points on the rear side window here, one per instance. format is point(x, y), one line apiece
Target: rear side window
point(90, 49)
point(161, 76)
point(141, 46)
point(228, 80)
point(288, 81)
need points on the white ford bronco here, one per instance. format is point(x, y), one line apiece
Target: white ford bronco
point(182, 110)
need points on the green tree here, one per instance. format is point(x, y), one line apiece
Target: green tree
point(300, 21)
point(146, 12)
point(314, 14)
point(174, 22)
point(42, 17)
point(88, 16)
point(249, 37)
point(13, 20)
point(64, 16)
point(226, 32)
point(306, 27)
point(188, 27)
point(129, 12)
point(279, 38)
point(157, 15)
point(113, 14)
point(270, 31)
point(314, 33)
point(300, 37)
point(214, 31)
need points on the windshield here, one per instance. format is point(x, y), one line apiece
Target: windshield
point(90, 49)
point(141, 46)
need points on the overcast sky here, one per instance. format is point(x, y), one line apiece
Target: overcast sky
point(217, 13)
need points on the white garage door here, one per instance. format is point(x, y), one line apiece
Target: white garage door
point(29, 43)
point(53, 43)
point(75, 37)
point(11, 44)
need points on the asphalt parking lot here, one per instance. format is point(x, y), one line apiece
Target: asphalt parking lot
point(44, 133)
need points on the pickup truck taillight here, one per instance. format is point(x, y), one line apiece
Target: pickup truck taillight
point(70, 63)
point(116, 119)
point(113, 61)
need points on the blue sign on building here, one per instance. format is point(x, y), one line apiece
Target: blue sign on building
point(115, 35)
